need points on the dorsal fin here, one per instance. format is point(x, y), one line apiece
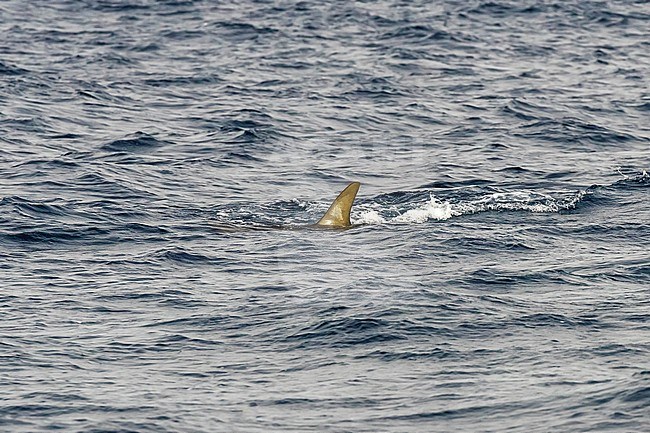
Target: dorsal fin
point(338, 215)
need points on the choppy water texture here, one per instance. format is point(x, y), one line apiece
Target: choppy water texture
point(499, 277)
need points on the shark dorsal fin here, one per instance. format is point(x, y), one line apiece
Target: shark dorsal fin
point(338, 215)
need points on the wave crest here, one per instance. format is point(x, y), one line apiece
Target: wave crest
point(435, 209)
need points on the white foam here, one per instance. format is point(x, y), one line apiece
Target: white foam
point(370, 217)
point(517, 201)
point(434, 209)
point(300, 203)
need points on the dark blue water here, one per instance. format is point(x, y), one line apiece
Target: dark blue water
point(153, 153)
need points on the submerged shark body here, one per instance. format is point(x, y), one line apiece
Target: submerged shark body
point(336, 217)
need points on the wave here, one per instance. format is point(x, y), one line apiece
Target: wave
point(437, 210)
point(432, 202)
point(137, 142)
point(411, 208)
point(8, 69)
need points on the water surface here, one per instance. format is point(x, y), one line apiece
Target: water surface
point(498, 276)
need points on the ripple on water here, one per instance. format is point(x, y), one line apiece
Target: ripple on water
point(160, 159)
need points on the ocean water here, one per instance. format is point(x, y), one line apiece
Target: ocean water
point(159, 161)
